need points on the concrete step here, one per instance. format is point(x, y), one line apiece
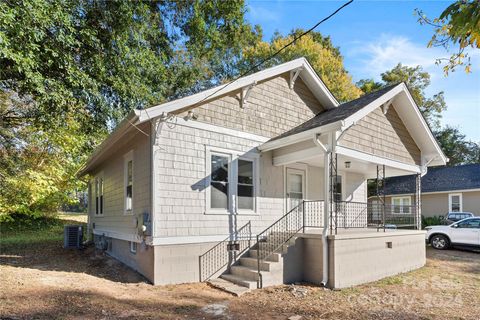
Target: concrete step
point(230, 286)
point(247, 273)
point(239, 281)
point(274, 257)
point(253, 263)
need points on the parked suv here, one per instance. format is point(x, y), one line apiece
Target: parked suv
point(464, 233)
point(457, 216)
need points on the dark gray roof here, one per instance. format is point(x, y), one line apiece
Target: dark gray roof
point(438, 179)
point(341, 112)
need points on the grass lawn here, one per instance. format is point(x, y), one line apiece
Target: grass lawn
point(41, 280)
point(18, 235)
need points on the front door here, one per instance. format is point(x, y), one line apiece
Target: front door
point(295, 187)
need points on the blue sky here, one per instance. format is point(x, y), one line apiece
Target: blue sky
point(373, 37)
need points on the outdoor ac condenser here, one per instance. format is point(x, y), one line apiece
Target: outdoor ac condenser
point(72, 236)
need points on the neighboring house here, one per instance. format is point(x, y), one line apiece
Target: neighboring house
point(444, 190)
point(182, 191)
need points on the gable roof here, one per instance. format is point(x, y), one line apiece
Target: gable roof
point(307, 73)
point(340, 113)
point(136, 117)
point(348, 114)
point(438, 179)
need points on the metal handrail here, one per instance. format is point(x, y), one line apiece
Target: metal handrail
point(220, 255)
point(263, 253)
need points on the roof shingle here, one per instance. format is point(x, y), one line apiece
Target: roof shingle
point(438, 179)
point(341, 112)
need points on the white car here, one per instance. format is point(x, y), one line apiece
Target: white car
point(464, 233)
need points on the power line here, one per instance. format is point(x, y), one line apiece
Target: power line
point(276, 53)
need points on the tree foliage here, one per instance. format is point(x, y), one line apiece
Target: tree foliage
point(324, 57)
point(457, 25)
point(417, 81)
point(456, 147)
point(69, 70)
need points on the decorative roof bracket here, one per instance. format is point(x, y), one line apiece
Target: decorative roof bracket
point(293, 76)
point(386, 105)
point(246, 93)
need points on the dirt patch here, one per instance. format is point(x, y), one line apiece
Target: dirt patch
point(49, 282)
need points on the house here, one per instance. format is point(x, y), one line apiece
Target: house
point(444, 190)
point(261, 181)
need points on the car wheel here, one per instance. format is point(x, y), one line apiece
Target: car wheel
point(439, 242)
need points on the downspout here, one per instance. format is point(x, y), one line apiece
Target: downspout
point(326, 203)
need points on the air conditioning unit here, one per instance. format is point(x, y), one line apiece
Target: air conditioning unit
point(72, 237)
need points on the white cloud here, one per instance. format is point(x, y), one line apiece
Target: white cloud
point(263, 15)
point(388, 50)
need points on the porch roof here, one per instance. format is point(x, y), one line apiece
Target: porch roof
point(339, 113)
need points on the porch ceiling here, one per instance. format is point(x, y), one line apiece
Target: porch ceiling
point(363, 167)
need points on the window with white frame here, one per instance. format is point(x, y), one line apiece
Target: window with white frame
point(401, 205)
point(219, 186)
point(98, 195)
point(455, 202)
point(245, 185)
point(128, 174)
point(232, 182)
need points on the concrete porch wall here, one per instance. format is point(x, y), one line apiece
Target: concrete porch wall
point(365, 257)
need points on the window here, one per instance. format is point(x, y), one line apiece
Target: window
point(471, 223)
point(337, 189)
point(455, 202)
point(401, 205)
point(133, 247)
point(232, 182)
point(245, 187)
point(219, 182)
point(99, 195)
point(128, 183)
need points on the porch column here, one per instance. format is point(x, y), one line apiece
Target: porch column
point(418, 201)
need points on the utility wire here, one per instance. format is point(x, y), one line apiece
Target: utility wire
point(266, 59)
point(276, 53)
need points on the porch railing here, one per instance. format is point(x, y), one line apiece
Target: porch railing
point(225, 253)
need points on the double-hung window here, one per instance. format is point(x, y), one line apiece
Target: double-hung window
point(98, 187)
point(401, 205)
point(455, 202)
point(245, 185)
point(219, 186)
point(232, 182)
point(128, 187)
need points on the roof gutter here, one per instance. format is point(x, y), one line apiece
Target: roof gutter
point(301, 136)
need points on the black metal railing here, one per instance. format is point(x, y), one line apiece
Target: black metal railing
point(313, 212)
point(225, 253)
point(276, 235)
point(350, 214)
point(392, 216)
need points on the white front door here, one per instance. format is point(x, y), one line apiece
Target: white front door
point(295, 190)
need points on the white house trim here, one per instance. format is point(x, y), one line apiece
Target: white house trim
point(376, 159)
point(308, 74)
point(296, 156)
point(222, 130)
point(460, 196)
point(301, 136)
point(117, 235)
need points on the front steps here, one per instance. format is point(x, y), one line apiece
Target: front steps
point(244, 273)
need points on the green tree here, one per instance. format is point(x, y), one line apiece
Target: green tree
point(456, 147)
point(324, 57)
point(69, 70)
point(457, 25)
point(417, 81)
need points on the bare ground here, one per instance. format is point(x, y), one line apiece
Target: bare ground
point(45, 282)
